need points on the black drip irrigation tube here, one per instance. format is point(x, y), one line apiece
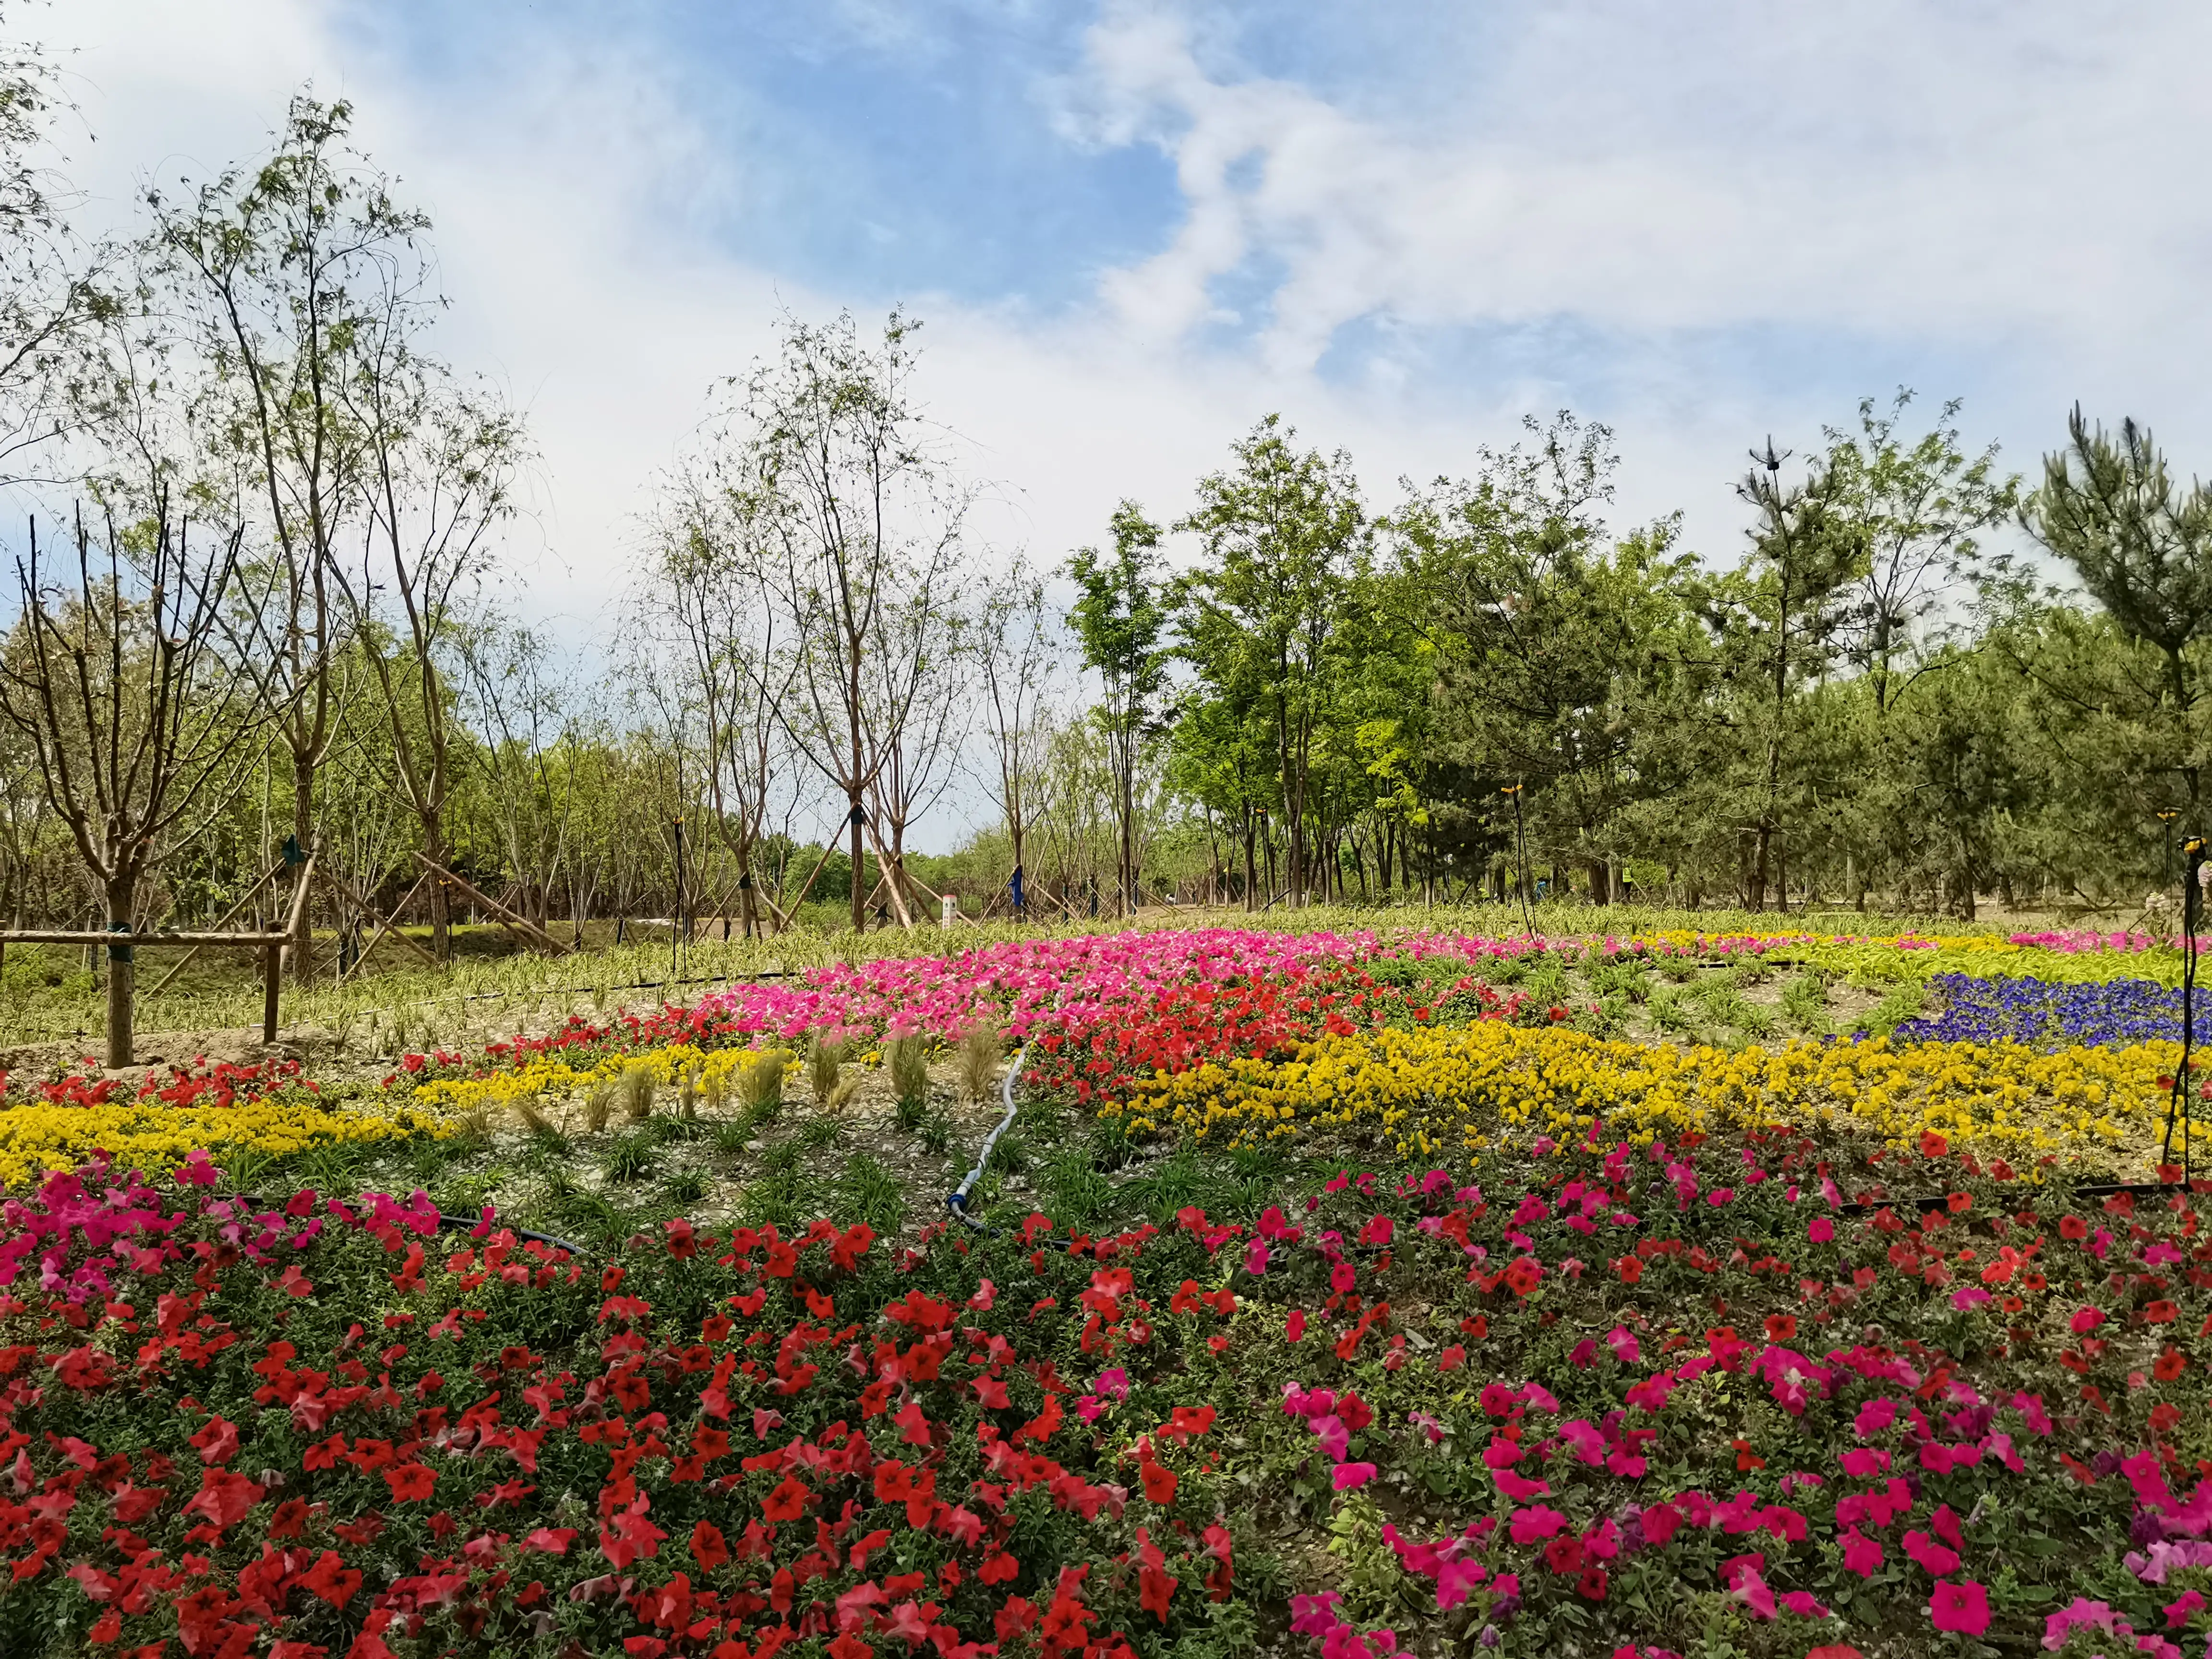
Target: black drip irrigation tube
point(957, 1200)
point(1927, 1203)
point(464, 1224)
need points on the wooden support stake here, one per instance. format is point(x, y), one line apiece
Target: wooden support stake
point(522, 923)
point(782, 921)
point(807, 886)
point(274, 871)
point(894, 877)
point(386, 925)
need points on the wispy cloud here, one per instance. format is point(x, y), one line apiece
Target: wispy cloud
point(1972, 174)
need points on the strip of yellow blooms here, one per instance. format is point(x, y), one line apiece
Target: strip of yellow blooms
point(152, 1135)
point(1903, 957)
point(1427, 1092)
point(548, 1075)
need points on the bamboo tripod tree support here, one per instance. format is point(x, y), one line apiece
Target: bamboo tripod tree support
point(385, 924)
point(510, 920)
point(247, 898)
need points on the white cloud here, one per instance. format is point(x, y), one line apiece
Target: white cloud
point(1951, 172)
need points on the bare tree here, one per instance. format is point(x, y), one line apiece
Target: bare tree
point(516, 704)
point(440, 462)
point(135, 716)
point(859, 521)
point(922, 653)
point(1015, 655)
point(280, 276)
point(703, 606)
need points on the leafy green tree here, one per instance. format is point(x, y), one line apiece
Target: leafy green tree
point(1554, 646)
point(1281, 532)
point(1121, 619)
point(282, 278)
point(1919, 509)
point(2141, 546)
point(1777, 620)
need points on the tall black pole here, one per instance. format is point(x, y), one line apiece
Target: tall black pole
point(1521, 843)
point(2178, 1109)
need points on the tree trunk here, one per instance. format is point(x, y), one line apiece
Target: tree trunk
point(121, 975)
point(1599, 881)
point(859, 898)
point(303, 831)
point(441, 908)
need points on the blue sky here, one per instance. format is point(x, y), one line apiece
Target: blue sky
point(1134, 227)
point(879, 153)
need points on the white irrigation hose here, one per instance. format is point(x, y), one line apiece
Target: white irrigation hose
point(957, 1201)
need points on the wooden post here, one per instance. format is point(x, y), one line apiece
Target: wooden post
point(272, 965)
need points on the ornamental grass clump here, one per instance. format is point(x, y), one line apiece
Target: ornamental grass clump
point(824, 1063)
point(598, 1106)
point(633, 1089)
point(907, 1058)
point(760, 1083)
point(980, 1049)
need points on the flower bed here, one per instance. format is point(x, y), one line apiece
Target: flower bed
point(1644, 1395)
point(2109, 1014)
point(267, 1107)
point(1101, 1011)
point(331, 1425)
point(1424, 1093)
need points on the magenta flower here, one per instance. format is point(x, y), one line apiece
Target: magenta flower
point(1964, 1608)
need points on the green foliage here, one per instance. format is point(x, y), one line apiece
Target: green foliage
point(868, 1192)
point(686, 1187)
point(632, 1157)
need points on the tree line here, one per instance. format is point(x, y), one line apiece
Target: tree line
point(263, 596)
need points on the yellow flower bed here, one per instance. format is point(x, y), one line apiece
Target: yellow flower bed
point(548, 1075)
point(1431, 1092)
point(151, 1134)
point(1982, 956)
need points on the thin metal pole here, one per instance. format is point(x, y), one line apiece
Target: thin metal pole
point(1521, 842)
